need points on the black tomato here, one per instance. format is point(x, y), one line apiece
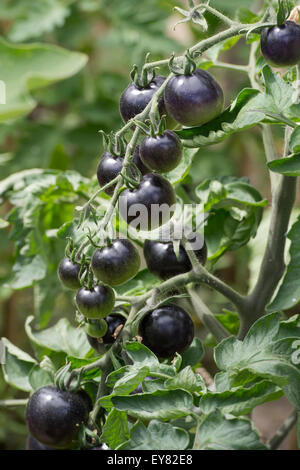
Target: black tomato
point(113, 322)
point(95, 303)
point(162, 261)
point(280, 45)
point(53, 416)
point(134, 99)
point(110, 167)
point(116, 263)
point(161, 153)
point(193, 99)
point(33, 444)
point(167, 330)
point(150, 205)
point(96, 328)
point(68, 273)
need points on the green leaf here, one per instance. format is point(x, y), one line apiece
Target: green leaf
point(288, 166)
point(180, 172)
point(230, 320)
point(281, 92)
point(294, 142)
point(260, 355)
point(27, 271)
point(28, 67)
point(142, 282)
point(17, 367)
point(193, 354)
point(236, 212)
point(157, 436)
point(187, 380)
point(223, 46)
point(289, 328)
point(250, 108)
point(288, 294)
point(241, 400)
point(128, 382)
point(62, 337)
point(115, 430)
point(235, 118)
point(39, 378)
point(215, 432)
point(283, 11)
point(162, 405)
point(77, 363)
point(139, 353)
point(246, 16)
point(35, 18)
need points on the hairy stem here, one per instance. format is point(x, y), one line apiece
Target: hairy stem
point(272, 266)
point(206, 316)
point(16, 402)
point(283, 431)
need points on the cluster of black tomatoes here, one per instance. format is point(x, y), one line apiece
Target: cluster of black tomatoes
point(54, 416)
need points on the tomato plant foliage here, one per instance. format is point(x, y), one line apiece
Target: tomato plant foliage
point(145, 374)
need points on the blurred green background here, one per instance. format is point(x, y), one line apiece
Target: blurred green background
point(62, 130)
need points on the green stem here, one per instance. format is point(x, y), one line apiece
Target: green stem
point(224, 65)
point(20, 402)
point(272, 266)
point(204, 277)
point(216, 13)
point(206, 316)
point(283, 431)
point(106, 369)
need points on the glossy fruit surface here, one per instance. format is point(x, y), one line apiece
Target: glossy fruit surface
point(68, 273)
point(194, 99)
point(117, 263)
point(280, 45)
point(161, 153)
point(167, 330)
point(162, 261)
point(110, 167)
point(33, 444)
point(113, 322)
point(96, 328)
point(53, 416)
point(95, 303)
point(150, 205)
point(134, 99)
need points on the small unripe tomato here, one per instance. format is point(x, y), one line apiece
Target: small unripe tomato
point(97, 302)
point(96, 328)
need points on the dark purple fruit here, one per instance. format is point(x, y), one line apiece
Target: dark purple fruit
point(162, 261)
point(97, 302)
point(150, 205)
point(161, 153)
point(280, 45)
point(68, 273)
point(53, 416)
point(193, 99)
point(167, 330)
point(134, 99)
point(110, 167)
point(117, 263)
